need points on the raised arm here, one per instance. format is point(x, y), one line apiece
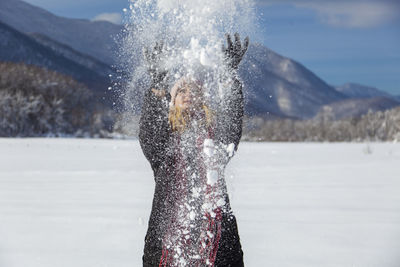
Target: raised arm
point(230, 116)
point(154, 127)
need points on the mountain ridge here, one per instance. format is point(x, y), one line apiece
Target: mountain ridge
point(95, 37)
point(19, 47)
point(356, 107)
point(286, 86)
point(275, 86)
point(356, 90)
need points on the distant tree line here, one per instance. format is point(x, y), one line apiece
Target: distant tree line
point(373, 126)
point(37, 102)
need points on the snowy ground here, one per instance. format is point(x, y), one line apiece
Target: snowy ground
point(84, 203)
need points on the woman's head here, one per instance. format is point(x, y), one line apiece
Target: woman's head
point(187, 102)
point(187, 94)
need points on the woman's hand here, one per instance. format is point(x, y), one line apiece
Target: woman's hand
point(234, 52)
point(154, 61)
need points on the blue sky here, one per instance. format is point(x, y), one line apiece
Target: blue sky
point(340, 41)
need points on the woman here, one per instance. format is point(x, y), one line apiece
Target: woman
point(188, 147)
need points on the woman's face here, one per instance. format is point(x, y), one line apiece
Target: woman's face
point(188, 97)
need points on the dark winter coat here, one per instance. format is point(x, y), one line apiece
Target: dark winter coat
point(155, 138)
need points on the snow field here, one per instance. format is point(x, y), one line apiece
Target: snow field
point(83, 203)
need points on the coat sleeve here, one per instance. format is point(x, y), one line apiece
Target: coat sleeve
point(230, 117)
point(154, 128)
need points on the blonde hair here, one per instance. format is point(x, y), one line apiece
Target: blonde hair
point(179, 118)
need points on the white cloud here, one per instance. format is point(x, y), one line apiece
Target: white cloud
point(115, 18)
point(354, 14)
point(350, 13)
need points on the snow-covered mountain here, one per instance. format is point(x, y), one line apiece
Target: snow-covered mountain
point(87, 61)
point(275, 86)
point(355, 90)
point(93, 38)
point(18, 47)
point(280, 86)
point(355, 107)
point(360, 100)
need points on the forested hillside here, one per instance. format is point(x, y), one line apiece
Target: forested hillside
point(38, 102)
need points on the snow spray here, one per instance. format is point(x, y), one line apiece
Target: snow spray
point(192, 32)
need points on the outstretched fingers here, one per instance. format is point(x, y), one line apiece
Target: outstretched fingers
point(159, 48)
point(235, 50)
point(153, 57)
point(229, 41)
point(238, 45)
point(154, 52)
